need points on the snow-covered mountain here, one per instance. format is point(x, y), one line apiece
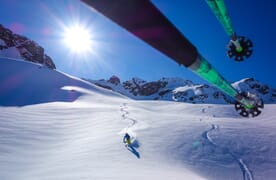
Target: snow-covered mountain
point(55, 126)
point(177, 89)
point(19, 47)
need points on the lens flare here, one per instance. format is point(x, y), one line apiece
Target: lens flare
point(78, 39)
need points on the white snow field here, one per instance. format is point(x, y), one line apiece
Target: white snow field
point(57, 127)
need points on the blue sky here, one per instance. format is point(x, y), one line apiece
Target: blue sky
point(117, 52)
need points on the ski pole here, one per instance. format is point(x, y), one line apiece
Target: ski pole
point(239, 46)
point(145, 21)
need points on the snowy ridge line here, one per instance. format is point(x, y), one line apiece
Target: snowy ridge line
point(247, 174)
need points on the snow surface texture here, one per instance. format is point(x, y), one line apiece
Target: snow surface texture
point(74, 130)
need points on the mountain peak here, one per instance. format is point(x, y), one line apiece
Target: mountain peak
point(182, 90)
point(114, 80)
point(16, 46)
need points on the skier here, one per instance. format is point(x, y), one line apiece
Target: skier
point(126, 139)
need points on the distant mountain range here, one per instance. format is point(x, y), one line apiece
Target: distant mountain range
point(180, 90)
point(16, 46)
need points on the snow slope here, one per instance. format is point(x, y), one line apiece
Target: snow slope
point(24, 83)
point(79, 136)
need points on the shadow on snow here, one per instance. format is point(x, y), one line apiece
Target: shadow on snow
point(133, 148)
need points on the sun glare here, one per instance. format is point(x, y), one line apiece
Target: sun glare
point(78, 39)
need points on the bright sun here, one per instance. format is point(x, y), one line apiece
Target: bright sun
point(78, 39)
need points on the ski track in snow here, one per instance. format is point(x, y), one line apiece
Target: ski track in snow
point(126, 117)
point(247, 174)
point(134, 143)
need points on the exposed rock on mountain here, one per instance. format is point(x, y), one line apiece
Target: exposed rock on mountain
point(177, 89)
point(17, 46)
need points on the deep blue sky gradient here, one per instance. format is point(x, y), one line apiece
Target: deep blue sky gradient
point(117, 52)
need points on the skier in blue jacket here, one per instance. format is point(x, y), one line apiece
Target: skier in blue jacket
point(126, 139)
